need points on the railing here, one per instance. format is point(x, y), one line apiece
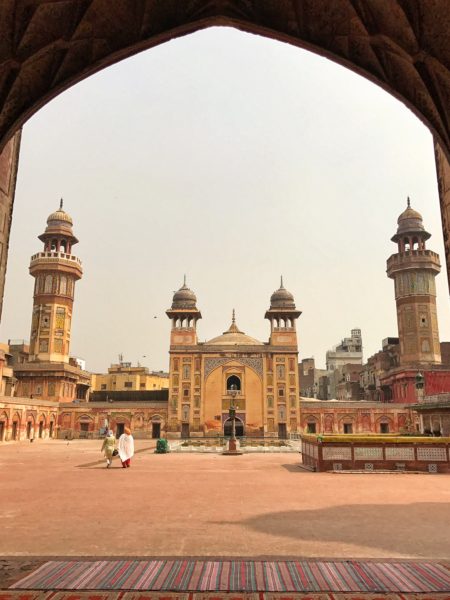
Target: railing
point(52, 255)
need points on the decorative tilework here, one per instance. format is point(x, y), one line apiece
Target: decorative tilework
point(254, 363)
point(432, 468)
point(368, 466)
point(431, 454)
point(394, 453)
point(362, 453)
point(337, 453)
point(337, 466)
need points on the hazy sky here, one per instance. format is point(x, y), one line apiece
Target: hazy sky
point(233, 159)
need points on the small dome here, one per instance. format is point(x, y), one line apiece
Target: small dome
point(282, 298)
point(184, 298)
point(410, 221)
point(60, 215)
point(234, 337)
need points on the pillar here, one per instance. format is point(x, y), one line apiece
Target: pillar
point(9, 161)
point(443, 180)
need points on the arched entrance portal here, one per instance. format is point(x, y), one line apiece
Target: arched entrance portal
point(227, 426)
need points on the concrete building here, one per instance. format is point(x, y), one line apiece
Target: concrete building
point(124, 377)
point(348, 387)
point(309, 380)
point(349, 351)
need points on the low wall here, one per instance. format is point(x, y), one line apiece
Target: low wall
point(376, 453)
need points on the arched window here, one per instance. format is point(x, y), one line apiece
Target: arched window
point(63, 246)
point(233, 380)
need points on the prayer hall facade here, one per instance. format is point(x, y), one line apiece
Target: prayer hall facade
point(259, 378)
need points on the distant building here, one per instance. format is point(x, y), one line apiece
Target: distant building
point(349, 351)
point(348, 387)
point(376, 368)
point(124, 377)
point(309, 379)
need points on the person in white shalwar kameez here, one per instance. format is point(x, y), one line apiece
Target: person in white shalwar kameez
point(126, 447)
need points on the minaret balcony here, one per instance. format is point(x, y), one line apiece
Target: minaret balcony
point(413, 259)
point(54, 259)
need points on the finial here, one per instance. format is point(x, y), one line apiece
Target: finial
point(184, 279)
point(233, 318)
point(409, 202)
point(281, 284)
point(60, 204)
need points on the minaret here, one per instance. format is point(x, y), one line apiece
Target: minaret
point(413, 270)
point(55, 270)
point(184, 315)
point(282, 315)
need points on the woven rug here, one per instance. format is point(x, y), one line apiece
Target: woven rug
point(239, 576)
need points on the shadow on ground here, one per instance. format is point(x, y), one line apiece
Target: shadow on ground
point(414, 529)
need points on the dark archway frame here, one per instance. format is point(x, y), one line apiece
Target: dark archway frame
point(46, 46)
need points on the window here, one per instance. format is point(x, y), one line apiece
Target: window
point(186, 392)
point(348, 428)
point(186, 372)
point(384, 427)
point(281, 413)
point(280, 392)
point(142, 386)
point(128, 384)
point(233, 380)
point(103, 386)
point(43, 346)
point(311, 428)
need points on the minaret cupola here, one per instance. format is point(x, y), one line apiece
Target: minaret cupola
point(282, 315)
point(184, 315)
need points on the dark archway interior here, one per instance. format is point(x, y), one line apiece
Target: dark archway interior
point(233, 380)
point(227, 426)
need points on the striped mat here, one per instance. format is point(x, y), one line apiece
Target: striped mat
point(239, 576)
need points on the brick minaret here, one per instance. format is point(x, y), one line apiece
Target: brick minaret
point(55, 270)
point(413, 269)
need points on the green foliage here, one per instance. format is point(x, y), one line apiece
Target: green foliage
point(162, 446)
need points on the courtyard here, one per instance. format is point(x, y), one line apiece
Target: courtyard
point(58, 499)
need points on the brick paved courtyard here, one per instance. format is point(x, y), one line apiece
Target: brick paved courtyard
point(58, 499)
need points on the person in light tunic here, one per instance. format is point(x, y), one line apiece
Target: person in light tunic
point(126, 447)
point(108, 447)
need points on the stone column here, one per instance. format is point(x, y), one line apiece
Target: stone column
point(9, 160)
point(443, 178)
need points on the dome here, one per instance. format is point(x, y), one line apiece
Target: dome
point(234, 337)
point(410, 221)
point(282, 298)
point(184, 298)
point(60, 215)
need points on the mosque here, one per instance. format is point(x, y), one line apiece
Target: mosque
point(204, 376)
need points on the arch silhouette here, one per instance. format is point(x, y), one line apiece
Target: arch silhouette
point(400, 46)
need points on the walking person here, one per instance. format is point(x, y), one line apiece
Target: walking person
point(126, 447)
point(109, 444)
